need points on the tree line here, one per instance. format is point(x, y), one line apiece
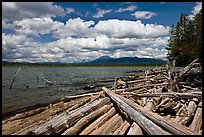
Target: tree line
point(185, 43)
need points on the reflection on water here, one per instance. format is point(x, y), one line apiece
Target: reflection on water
point(30, 88)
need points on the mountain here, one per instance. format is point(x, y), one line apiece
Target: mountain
point(124, 60)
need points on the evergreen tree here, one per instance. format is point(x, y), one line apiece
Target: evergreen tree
point(185, 43)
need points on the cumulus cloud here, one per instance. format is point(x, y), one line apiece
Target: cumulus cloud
point(143, 14)
point(130, 8)
point(197, 8)
point(70, 10)
point(75, 27)
point(100, 13)
point(36, 26)
point(21, 10)
point(82, 40)
point(130, 29)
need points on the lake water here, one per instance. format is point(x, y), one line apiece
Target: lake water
point(30, 88)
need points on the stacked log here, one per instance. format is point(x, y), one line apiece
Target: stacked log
point(162, 101)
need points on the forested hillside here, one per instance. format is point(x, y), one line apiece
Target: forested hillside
point(185, 43)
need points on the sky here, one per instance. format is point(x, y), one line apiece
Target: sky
point(83, 31)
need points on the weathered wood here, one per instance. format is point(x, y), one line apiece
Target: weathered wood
point(141, 120)
point(99, 122)
point(191, 110)
point(46, 80)
point(67, 98)
point(107, 126)
point(169, 126)
point(135, 130)
point(74, 130)
point(197, 121)
point(11, 86)
point(62, 121)
point(171, 94)
point(122, 129)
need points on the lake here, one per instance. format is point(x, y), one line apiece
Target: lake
point(30, 88)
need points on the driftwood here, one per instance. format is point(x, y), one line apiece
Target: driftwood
point(11, 86)
point(135, 130)
point(197, 121)
point(141, 120)
point(171, 94)
point(99, 122)
point(122, 129)
point(108, 125)
point(191, 110)
point(61, 122)
point(74, 130)
point(46, 80)
point(169, 126)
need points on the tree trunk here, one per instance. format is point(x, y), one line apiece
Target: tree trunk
point(99, 122)
point(135, 130)
point(61, 122)
point(141, 120)
point(74, 130)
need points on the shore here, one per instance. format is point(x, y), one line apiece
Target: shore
point(155, 101)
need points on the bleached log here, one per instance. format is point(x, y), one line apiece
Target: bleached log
point(135, 130)
point(107, 126)
point(140, 119)
point(99, 122)
point(11, 86)
point(74, 130)
point(169, 126)
point(46, 80)
point(191, 111)
point(171, 94)
point(67, 98)
point(122, 129)
point(197, 120)
point(63, 121)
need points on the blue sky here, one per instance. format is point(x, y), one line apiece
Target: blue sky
point(76, 31)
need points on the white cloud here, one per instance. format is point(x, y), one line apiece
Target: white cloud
point(100, 13)
point(130, 29)
point(197, 8)
point(162, 2)
point(21, 10)
point(143, 14)
point(82, 40)
point(75, 27)
point(36, 26)
point(70, 10)
point(130, 8)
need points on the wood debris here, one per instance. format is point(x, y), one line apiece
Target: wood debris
point(160, 101)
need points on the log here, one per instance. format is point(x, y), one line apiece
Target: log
point(107, 126)
point(197, 121)
point(122, 129)
point(68, 98)
point(135, 130)
point(141, 120)
point(74, 130)
point(62, 121)
point(11, 86)
point(46, 80)
point(169, 126)
point(187, 69)
point(171, 94)
point(99, 122)
point(191, 111)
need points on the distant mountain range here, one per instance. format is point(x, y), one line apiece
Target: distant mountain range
point(102, 60)
point(123, 60)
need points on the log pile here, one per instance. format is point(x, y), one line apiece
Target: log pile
point(160, 101)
